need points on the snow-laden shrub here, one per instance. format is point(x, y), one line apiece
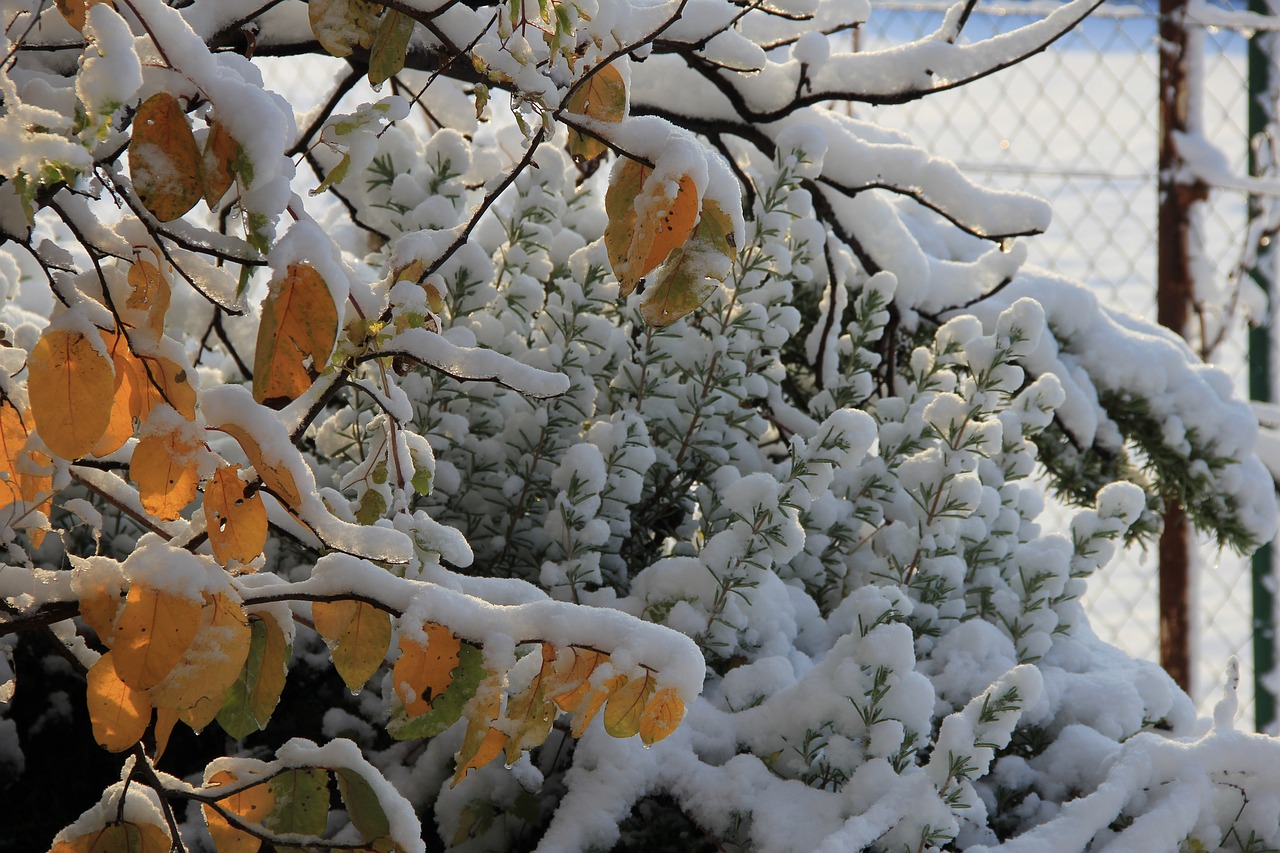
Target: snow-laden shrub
point(667, 397)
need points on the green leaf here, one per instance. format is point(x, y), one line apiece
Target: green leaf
point(302, 804)
point(335, 176)
point(373, 506)
point(422, 482)
point(363, 808)
point(390, 44)
point(251, 700)
point(446, 709)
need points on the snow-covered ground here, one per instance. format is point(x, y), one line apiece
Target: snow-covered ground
point(1078, 126)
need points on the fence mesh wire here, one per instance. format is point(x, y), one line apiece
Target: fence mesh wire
point(1078, 125)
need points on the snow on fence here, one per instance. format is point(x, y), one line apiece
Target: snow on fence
point(1078, 125)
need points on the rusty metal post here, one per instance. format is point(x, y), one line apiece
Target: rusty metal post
point(1175, 290)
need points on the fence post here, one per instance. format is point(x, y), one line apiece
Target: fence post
point(1175, 289)
point(1264, 48)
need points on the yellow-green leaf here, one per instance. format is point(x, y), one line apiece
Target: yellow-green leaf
point(625, 185)
point(446, 707)
point(604, 98)
point(210, 665)
point(625, 708)
point(118, 713)
point(358, 635)
point(164, 159)
point(530, 714)
point(301, 804)
point(153, 632)
point(364, 809)
point(250, 701)
point(591, 704)
point(342, 25)
point(71, 386)
point(390, 44)
point(295, 337)
point(661, 716)
point(481, 742)
point(235, 518)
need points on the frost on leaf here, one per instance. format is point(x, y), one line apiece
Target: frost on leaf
point(295, 336)
point(163, 158)
point(70, 385)
point(342, 25)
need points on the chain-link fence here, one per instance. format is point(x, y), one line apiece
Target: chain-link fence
point(1078, 125)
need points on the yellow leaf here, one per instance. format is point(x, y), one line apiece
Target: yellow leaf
point(120, 425)
point(149, 295)
point(34, 484)
point(166, 468)
point(570, 682)
point(220, 151)
point(210, 665)
point(75, 10)
point(604, 98)
point(125, 837)
point(252, 805)
point(295, 337)
point(423, 672)
point(152, 634)
point(163, 380)
point(358, 635)
point(99, 605)
point(661, 716)
point(119, 714)
point(164, 159)
point(13, 439)
point(626, 705)
point(166, 719)
point(481, 742)
point(277, 478)
point(592, 704)
point(390, 44)
point(236, 520)
point(70, 385)
point(529, 712)
point(342, 25)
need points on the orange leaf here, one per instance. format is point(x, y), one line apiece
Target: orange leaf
point(592, 704)
point(423, 672)
point(75, 10)
point(126, 837)
point(236, 520)
point(211, 663)
point(663, 223)
point(152, 634)
point(295, 337)
point(571, 681)
point(13, 438)
point(661, 716)
point(603, 98)
point(220, 151)
point(70, 385)
point(119, 714)
point(149, 296)
point(277, 478)
point(164, 159)
point(481, 742)
point(166, 719)
point(99, 603)
point(252, 805)
point(120, 424)
point(163, 380)
point(626, 705)
point(33, 484)
point(166, 468)
point(358, 635)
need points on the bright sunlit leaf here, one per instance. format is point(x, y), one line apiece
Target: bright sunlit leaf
point(604, 98)
point(358, 635)
point(119, 714)
point(210, 665)
point(13, 439)
point(166, 468)
point(626, 704)
point(386, 57)
point(71, 386)
point(153, 632)
point(149, 296)
point(423, 672)
point(277, 478)
point(252, 805)
point(692, 272)
point(163, 158)
point(295, 336)
point(218, 161)
point(661, 716)
point(235, 516)
point(75, 10)
point(342, 25)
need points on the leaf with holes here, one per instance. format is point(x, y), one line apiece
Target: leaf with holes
point(235, 517)
point(301, 804)
point(275, 476)
point(358, 635)
point(252, 805)
point(424, 670)
point(295, 337)
point(70, 384)
point(162, 380)
point(666, 212)
point(692, 272)
point(604, 98)
point(153, 632)
point(446, 706)
point(390, 44)
point(252, 698)
point(164, 160)
point(118, 713)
